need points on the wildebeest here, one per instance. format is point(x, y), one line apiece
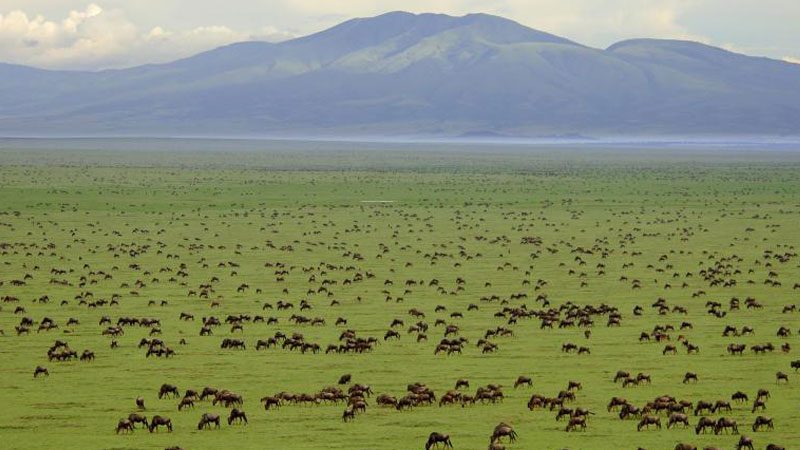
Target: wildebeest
point(739, 396)
point(703, 424)
point(125, 426)
point(168, 389)
point(576, 422)
point(40, 371)
point(678, 418)
point(621, 375)
point(762, 421)
point(135, 418)
point(434, 439)
point(270, 402)
point(207, 419)
point(348, 414)
point(158, 421)
point(237, 415)
point(502, 430)
point(725, 424)
point(744, 442)
point(523, 380)
point(648, 420)
point(758, 405)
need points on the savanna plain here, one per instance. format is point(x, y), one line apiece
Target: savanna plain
point(408, 269)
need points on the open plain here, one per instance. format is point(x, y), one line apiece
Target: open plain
point(555, 264)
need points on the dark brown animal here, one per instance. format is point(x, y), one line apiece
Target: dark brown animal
point(523, 380)
point(40, 371)
point(158, 421)
point(168, 389)
point(434, 439)
point(125, 426)
point(648, 420)
point(207, 419)
point(237, 415)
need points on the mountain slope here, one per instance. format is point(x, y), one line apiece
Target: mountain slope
point(406, 74)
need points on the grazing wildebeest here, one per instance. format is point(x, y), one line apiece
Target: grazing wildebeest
point(463, 382)
point(207, 419)
point(780, 376)
point(270, 402)
point(359, 406)
point(125, 426)
point(676, 418)
point(391, 334)
point(434, 439)
point(523, 380)
point(208, 392)
point(648, 420)
point(501, 430)
point(758, 405)
point(775, 447)
point(621, 375)
point(744, 442)
point(762, 421)
point(703, 423)
point(40, 371)
point(135, 418)
point(725, 424)
point(689, 376)
point(630, 411)
point(720, 405)
point(575, 422)
point(158, 421)
point(227, 398)
point(348, 414)
point(736, 349)
point(615, 402)
point(140, 403)
point(168, 389)
point(186, 402)
point(685, 447)
point(703, 406)
point(345, 379)
point(237, 415)
point(739, 396)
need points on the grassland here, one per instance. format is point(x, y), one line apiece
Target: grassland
point(455, 213)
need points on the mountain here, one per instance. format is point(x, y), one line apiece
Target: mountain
point(423, 75)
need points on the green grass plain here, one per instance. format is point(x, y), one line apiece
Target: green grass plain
point(83, 210)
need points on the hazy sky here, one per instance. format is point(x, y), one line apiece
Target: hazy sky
point(94, 34)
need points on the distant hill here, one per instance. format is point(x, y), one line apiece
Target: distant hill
point(423, 75)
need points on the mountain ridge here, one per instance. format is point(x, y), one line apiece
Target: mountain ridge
point(410, 74)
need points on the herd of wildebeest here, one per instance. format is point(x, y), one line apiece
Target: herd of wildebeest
point(435, 321)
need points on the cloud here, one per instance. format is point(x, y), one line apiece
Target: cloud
point(94, 38)
point(791, 59)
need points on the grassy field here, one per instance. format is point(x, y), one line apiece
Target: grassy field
point(604, 219)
